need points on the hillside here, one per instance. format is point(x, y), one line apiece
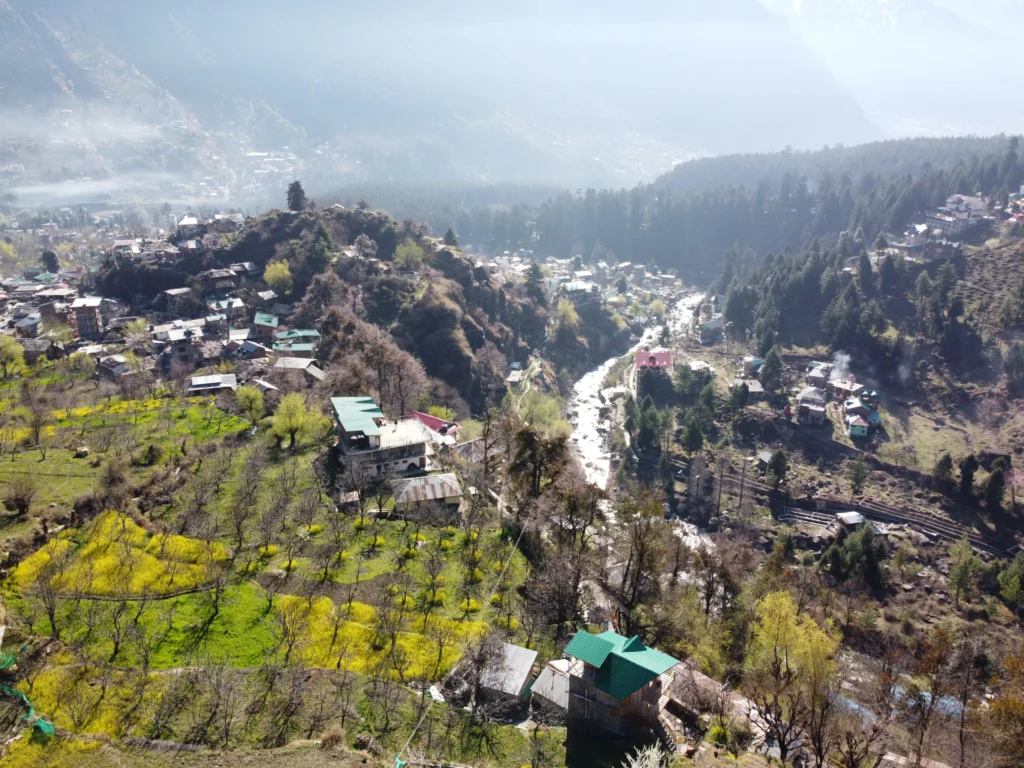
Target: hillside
point(895, 57)
point(355, 114)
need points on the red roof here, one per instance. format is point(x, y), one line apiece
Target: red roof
point(435, 424)
point(648, 359)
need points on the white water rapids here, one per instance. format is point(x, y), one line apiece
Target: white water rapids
point(590, 431)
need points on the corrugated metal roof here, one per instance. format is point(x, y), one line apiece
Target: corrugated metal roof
point(430, 488)
point(509, 673)
point(357, 414)
point(626, 664)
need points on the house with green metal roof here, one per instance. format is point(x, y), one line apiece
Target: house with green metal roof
point(383, 445)
point(264, 325)
point(616, 682)
point(295, 350)
point(300, 335)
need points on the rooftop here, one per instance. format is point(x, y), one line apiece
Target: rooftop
point(429, 488)
point(357, 414)
point(509, 672)
point(624, 664)
point(216, 381)
point(87, 302)
point(297, 333)
point(265, 318)
point(397, 434)
point(435, 424)
point(653, 358)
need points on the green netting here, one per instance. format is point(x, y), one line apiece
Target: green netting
point(24, 700)
point(45, 726)
point(6, 660)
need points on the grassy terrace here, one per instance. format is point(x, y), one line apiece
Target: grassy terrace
point(154, 601)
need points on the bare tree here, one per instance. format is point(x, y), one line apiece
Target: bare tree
point(50, 579)
point(22, 490)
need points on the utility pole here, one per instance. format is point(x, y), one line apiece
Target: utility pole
point(743, 477)
point(718, 512)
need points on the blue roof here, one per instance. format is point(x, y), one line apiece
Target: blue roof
point(357, 414)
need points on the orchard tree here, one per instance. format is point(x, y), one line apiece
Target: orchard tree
point(250, 400)
point(291, 418)
point(12, 356)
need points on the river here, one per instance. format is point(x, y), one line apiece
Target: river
point(590, 430)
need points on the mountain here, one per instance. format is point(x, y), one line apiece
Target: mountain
point(1007, 16)
point(560, 92)
point(918, 67)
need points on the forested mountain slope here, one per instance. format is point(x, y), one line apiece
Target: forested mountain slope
point(800, 197)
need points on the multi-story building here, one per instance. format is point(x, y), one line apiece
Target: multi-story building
point(382, 445)
point(959, 214)
point(88, 319)
point(617, 683)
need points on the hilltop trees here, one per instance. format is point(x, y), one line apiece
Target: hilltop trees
point(409, 255)
point(279, 277)
point(297, 197)
point(450, 240)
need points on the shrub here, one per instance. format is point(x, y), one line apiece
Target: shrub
point(511, 623)
point(153, 454)
point(409, 554)
point(269, 551)
point(333, 738)
point(476, 576)
point(315, 529)
point(449, 530)
point(439, 599)
point(446, 545)
point(469, 606)
point(718, 734)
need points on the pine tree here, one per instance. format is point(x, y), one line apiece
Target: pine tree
point(995, 486)
point(968, 466)
point(449, 238)
point(296, 197)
